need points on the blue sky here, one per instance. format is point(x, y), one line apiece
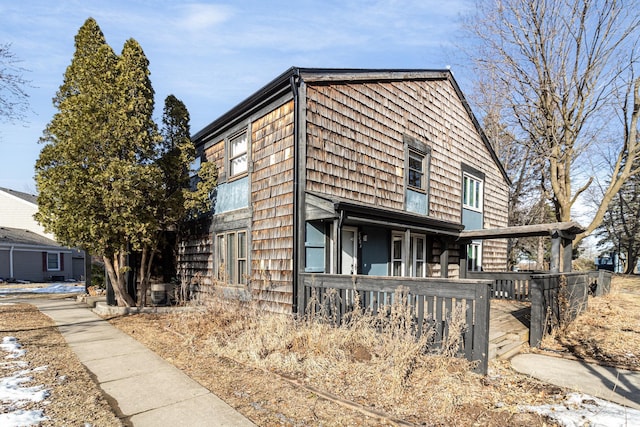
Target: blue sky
point(212, 55)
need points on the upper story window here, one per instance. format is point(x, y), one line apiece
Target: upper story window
point(471, 192)
point(238, 155)
point(416, 175)
point(416, 170)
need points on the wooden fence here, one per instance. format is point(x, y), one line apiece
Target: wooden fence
point(516, 286)
point(432, 302)
point(556, 300)
point(509, 285)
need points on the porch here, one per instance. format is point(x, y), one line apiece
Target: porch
point(524, 306)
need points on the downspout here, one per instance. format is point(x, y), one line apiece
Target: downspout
point(294, 81)
point(11, 262)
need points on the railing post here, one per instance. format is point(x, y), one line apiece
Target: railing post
point(536, 330)
point(481, 328)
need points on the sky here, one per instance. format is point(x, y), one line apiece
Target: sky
point(213, 54)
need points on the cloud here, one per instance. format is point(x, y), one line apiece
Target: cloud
point(202, 17)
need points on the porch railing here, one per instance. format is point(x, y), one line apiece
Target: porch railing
point(556, 300)
point(516, 286)
point(432, 302)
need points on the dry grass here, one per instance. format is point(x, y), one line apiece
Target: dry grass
point(609, 330)
point(282, 371)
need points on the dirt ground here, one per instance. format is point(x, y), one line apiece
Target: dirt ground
point(438, 391)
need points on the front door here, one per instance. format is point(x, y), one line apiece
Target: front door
point(349, 242)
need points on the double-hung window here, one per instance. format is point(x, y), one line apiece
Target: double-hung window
point(416, 171)
point(471, 192)
point(238, 155)
point(231, 260)
point(474, 256)
point(53, 261)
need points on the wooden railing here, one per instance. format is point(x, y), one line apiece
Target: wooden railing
point(516, 286)
point(432, 302)
point(556, 300)
point(508, 285)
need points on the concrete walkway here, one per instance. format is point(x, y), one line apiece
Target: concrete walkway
point(142, 387)
point(615, 385)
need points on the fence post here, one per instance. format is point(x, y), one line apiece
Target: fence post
point(537, 311)
point(481, 328)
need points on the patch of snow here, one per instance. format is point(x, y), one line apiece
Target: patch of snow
point(14, 394)
point(54, 288)
point(13, 347)
point(21, 418)
point(579, 410)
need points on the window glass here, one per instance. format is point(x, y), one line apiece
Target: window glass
point(416, 170)
point(232, 260)
point(471, 192)
point(238, 155)
point(242, 257)
point(396, 253)
point(474, 256)
point(53, 261)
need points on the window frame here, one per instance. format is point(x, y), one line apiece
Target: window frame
point(58, 265)
point(232, 257)
point(231, 156)
point(413, 146)
point(474, 264)
point(472, 181)
point(414, 255)
point(397, 236)
point(422, 158)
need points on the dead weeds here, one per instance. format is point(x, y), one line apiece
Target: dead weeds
point(279, 371)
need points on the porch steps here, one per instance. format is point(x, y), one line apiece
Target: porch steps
point(508, 328)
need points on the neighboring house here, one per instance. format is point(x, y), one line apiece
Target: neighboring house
point(17, 210)
point(368, 172)
point(27, 252)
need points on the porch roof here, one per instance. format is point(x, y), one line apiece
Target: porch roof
point(566, 230)
point(355, 213)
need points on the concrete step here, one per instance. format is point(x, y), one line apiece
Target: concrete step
point(508, 344)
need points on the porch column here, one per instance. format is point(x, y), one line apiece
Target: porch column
point(444, 259)
point(567, 255)
point(406, 250)
point(463, 259)
point(337, 245)
point(554, 264)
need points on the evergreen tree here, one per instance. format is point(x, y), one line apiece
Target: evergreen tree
point(108, 181)
point(95, 171)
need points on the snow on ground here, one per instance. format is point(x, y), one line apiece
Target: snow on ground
point(579, 410)
point(14, 395)
point(54, 288)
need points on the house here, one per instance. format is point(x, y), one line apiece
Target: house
point(346, 171)
point(27, 252)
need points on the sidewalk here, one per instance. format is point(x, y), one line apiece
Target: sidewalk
point(615, 385)
point(142, 387)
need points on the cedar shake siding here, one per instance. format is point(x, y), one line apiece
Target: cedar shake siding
point(355, 150)
point(272, 203)
point(344, 171)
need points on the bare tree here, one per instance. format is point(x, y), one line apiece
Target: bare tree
point(568, 66)
point(13, 98)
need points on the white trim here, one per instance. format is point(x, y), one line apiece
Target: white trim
point(479, 195)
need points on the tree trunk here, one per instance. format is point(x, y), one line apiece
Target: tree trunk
point(116, 269)
point(146, 261)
